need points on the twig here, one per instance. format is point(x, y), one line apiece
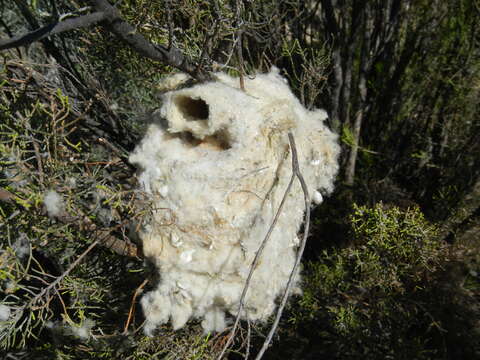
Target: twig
point(111, 17)
point(249, 334)
point(253, 266)
point(36, 148)
point(295, 173)
point(62, 302)
point(111, 242)
point(132, 306)
point(6, 195)
point(240, 60)
point(61, 277)
point(239, 44)
point(211, 36)
point(168, 5)
point(172, 56)
point(298, 174)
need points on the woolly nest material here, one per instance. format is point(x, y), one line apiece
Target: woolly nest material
point(216, 162)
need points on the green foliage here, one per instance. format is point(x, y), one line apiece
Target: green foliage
point(391, 291)
point(308, 69)
point(58, 300)
point(385, 296)
point(42, 150)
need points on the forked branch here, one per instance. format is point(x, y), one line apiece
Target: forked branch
point(295, 173)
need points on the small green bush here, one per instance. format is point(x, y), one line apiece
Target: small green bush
point(385, 297)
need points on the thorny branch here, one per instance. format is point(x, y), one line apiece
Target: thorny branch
point(295, 173)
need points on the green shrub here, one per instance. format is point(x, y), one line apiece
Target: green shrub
point(69, 272)
point(385, 297)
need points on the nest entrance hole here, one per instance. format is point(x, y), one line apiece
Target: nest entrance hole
point(192, 109)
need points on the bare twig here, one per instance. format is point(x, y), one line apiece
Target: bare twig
point(138, 291)
point(168, 5)
point(170, 56)
point(107, 240)
point(119, 246)
point(298, 174)
point(249, 334)
point(6, 195)
point(239, 33)
point(36, 148)
point(254, 265)
point(295, 173)
point(240, 60)
point(211, 36)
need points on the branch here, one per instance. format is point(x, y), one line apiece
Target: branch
point(57, 281)
point(295, 173)
point(111, 17)
point(466, 209)
point(6, 195)
point(51, 29)
point(254, 265)
point(239, 33)
point(332, 24)
point(129, 35)
point(365, 65)
point(335, 38)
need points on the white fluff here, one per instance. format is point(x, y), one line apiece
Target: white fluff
point(53, 203)
point(5, 312)
point(216, 162)
point(21, 246)
point(82, 331)
point(317, 197)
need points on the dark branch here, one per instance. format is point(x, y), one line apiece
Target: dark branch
point(332, 24)
point(128, 34)
point(51, 29)
point(111, 17)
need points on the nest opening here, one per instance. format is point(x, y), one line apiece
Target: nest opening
point(192, 109)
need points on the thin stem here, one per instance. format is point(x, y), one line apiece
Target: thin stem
point(295, 173)
point(254, 265)
point(298, 174)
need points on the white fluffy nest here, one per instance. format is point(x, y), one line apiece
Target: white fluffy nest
point(216, 162)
